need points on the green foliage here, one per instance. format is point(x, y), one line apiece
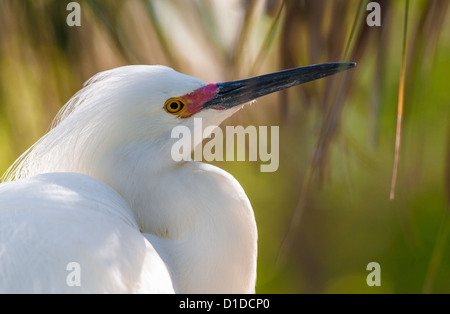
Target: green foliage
point(325, 214)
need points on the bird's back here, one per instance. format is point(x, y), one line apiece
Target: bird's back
point(68, 232)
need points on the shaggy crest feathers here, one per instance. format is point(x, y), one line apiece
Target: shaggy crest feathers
point(115, 130)
point(97, 115)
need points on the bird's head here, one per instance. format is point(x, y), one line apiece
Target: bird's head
point(141, 104)
point(147, 102)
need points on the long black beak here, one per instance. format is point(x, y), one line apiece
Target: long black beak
point(234, 93)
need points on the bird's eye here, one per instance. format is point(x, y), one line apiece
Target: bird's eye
point(174, 106)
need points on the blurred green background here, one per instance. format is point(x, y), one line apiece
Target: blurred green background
point(326, 213)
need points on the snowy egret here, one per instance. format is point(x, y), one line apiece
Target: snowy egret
point(98, 204)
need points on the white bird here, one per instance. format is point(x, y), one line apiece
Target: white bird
point(98, 205)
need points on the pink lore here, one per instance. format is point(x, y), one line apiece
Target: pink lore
point(195, 100)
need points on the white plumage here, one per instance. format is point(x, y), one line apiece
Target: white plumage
point(101, 190)
point(136, 221)
point(51, 220)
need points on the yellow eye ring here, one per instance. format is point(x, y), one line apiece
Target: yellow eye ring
point(175, 105)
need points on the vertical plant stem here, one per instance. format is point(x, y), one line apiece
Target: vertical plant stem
point(401, 93)
point(438, 254)
point(267, 40)
point(357, 24)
